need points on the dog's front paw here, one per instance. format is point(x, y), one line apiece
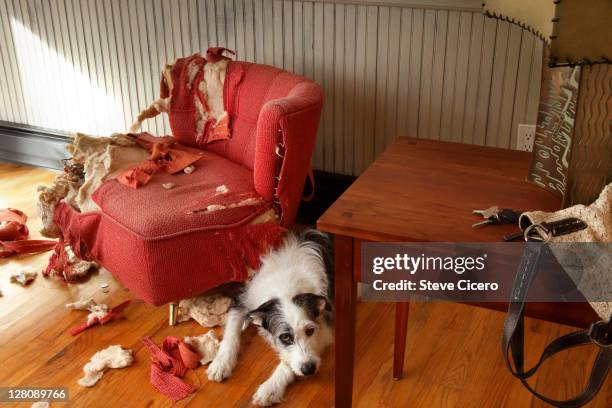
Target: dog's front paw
point(220, 368)
point(267, 394)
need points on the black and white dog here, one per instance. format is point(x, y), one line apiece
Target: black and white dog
point(289, 299)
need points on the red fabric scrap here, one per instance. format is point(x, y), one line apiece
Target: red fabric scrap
point(214, 54)
point(169, 364)
point(59, 264)
point(114, 313)
point(13, 234)
point(166, 155)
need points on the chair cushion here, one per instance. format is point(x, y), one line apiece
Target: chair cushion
point(154, 212)
point(151, 240)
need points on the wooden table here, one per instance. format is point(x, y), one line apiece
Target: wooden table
point(425, 191)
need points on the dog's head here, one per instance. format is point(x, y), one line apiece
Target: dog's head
point(297, 328)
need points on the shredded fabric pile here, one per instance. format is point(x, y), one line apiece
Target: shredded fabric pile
point(94, 160)
point(169, 365)
point(66, 265)
point(207, 310)
point(14, 233)
point(99, 314)
point(110, 357)
point(166, 155)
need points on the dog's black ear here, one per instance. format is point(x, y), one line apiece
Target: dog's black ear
point(313, 304)
point(259, 316)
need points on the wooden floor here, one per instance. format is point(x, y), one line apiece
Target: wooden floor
point(453, 356)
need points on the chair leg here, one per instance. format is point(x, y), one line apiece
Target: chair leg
point(172, 314)
point(401, 328)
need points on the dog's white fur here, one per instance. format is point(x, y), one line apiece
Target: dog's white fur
point(295, 268)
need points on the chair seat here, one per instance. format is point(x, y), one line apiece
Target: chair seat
point(153, 241)
point(155, 212)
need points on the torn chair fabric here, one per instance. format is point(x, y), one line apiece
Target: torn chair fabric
point(192, 93)
point(169, 365)
point(166, 155)
point(66, 265)
point(93, 320)
point(110, 357)
point(14, 233)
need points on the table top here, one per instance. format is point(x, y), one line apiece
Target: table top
point(424, 190)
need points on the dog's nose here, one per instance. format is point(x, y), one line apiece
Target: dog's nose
point(309, 368)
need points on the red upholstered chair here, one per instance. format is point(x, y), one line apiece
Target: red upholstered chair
point(150, 239)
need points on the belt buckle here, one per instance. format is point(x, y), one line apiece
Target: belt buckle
point(600, 333)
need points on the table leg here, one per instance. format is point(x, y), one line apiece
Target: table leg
point(401, 328)
point(346, 293)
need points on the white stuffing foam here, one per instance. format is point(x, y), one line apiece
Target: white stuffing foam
point(95, 310)
point(111, 357)
point(207, 310)
point(206, 344)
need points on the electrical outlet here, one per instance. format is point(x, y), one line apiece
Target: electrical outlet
point(525, 137)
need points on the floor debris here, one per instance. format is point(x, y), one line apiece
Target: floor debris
point(96, 315)
point(23, 278)
point(207, 310)
point(14, 233)
point(96, 311)
point(189, 169)
point(169, 365)
point(65, 264)
point(222, 189)
point(168, 186)
point(206, 344)
point(110, 357)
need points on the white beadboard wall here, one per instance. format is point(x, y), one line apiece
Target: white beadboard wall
point(387, 70)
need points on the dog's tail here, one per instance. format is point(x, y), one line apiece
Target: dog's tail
point(325, 245)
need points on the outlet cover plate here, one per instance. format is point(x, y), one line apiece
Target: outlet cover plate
point(525, 137)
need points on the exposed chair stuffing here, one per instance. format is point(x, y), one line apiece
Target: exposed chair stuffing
point(207, 310)
point(96, 311)
point(96, 315)
point(206, 344)
point(110, 357)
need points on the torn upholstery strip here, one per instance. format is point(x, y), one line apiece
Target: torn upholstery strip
point(166, 155)
point(14, 233)
point(113, 314)
point(169, 365)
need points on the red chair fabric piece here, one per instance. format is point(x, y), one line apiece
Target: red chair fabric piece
point(169, 364)
point(112, 314)
point(166, 155)
point(13, 234)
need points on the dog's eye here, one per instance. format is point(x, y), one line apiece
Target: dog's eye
point(309, 331)
point(286, 338)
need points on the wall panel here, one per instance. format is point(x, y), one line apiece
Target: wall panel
point(387, 69)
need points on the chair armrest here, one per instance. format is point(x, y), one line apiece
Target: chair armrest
point(292, 122)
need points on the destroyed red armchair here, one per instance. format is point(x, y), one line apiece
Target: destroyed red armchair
point(168, 244)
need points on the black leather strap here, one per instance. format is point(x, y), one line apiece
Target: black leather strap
point(600, 334)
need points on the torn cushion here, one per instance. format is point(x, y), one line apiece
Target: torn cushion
point(155, 242)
